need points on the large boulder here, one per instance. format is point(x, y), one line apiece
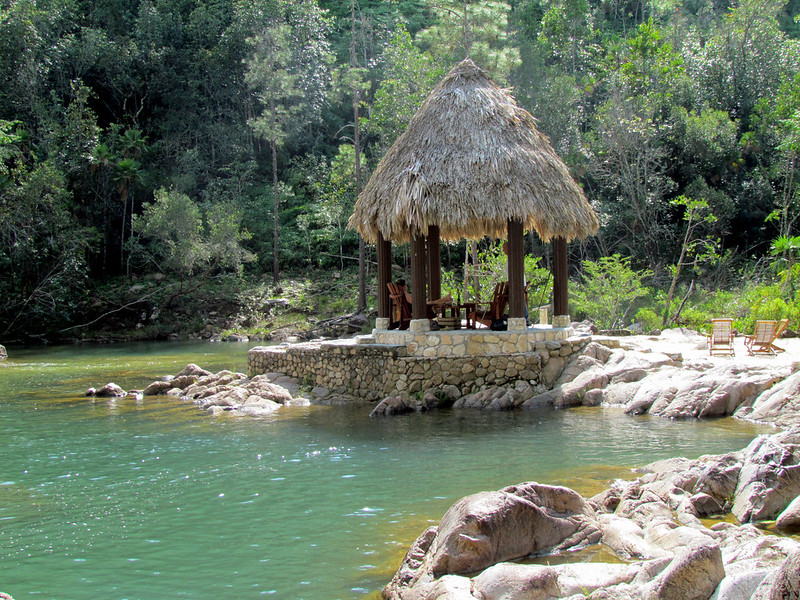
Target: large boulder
point(789, 520)
point(627, 539)
point(193, 370)
point(779, 405)
point(395, 405)
point(157, 387)
point(487, 528)
point(784, 583)
point(262, 387)
point(510, 580)
point(714, 393)
point(693, 574)
point(490, 527)
point(739, 587)
point(747, 549)
point(770, 477)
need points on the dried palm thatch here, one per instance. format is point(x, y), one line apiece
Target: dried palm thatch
point(470, 160)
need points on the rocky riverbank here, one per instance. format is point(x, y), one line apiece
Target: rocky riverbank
point(657, 526)
point(670, 375)
point(684, 529)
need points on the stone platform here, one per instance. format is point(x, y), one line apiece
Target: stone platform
point(410, 362)
point(419, 340)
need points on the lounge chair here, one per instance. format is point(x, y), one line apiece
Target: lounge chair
point(765, 333)
point(400, 315)
point(497, 307)
point(782, 325)
point(720, 340)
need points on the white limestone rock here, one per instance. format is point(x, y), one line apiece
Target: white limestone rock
point(782, 584)
point(779, 405)
point(789, 520)
point(770, 477)
point(693, 574)
point(504, 581)
point(739, 587)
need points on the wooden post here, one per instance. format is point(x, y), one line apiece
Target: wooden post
point(418, 280)
point(516, 270)
point(384, 276)
point(560, 295)
point(434, 264)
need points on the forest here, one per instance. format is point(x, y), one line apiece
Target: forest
point(154, 150)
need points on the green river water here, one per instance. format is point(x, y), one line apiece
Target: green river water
point(147, 500)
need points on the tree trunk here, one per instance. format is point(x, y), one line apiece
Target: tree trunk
point(674, 283)
point(275, 206)
point(122, 234)
point(362, 267)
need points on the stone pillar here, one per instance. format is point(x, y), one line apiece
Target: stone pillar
point(516, 270)
point(384, 248)
point(517, 324)
point(434, 264)
point(419, 306)
point(561, 321)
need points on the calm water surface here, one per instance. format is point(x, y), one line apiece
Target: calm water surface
point(154, 499)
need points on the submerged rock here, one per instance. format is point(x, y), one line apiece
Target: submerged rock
point(109, 390)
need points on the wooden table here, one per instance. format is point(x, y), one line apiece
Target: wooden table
point(469, 309)
point(450, 317)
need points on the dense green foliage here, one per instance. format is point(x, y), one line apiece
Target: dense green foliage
point(214, 138)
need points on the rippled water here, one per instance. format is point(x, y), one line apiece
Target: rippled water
point(155, 499)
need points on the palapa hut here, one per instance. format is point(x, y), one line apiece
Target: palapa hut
point(470, 164)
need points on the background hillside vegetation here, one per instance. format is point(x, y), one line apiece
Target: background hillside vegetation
point(163, 160)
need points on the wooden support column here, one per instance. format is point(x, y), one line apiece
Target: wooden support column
point(560, 296)
point(434, 264)
point(384, 248)
point(516, 270)
point(418, 280)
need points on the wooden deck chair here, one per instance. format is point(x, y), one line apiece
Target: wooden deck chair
point(496, 309)
point(720, 340)
point(400, 315)
point(782, 324)
point(761, 341)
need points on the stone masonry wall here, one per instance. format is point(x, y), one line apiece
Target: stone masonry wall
point(374, 371)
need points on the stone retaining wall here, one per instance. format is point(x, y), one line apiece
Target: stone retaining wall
point(374, 371)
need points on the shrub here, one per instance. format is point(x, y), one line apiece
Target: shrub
point(608, 290)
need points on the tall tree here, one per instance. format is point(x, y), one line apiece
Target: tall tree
point(362, 268)
point(475, 29)
point(287, 70)
point(409, 75)
point(277, 90)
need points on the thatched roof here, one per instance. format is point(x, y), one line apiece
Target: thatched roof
point(469, 160)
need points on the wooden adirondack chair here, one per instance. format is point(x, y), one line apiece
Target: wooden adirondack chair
point(497, 307)
point(782, 324)
point(765, 333)
point(760, 342)
point(400, 314)
point(720, 340)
